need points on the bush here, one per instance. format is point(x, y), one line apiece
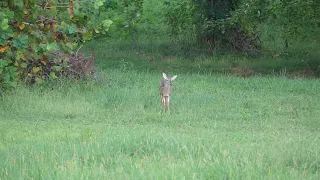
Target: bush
point(32, 32)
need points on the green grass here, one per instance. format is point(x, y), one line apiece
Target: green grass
point(186, 56)
point(220, 127)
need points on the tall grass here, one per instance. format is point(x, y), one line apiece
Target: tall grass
point(187, 56)
point(220, 127)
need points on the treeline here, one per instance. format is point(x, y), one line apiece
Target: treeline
point(40, 39)
point(232, 23)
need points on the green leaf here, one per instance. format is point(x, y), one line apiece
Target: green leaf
point(7, 13)
point(4, 24)
point(87, 36)
point(52, 46)
point(6, 77)
point(21, 42)
point(72, 29)
point(106, 24)
point(3, 63)
point(52, 75)
point(41, 48)
point(13, 71)
point(98, 3)
point(20, 4)
point(37, 34)
point(57, 68)
point(5, 35)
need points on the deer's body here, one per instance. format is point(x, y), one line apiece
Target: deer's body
point(165, 90)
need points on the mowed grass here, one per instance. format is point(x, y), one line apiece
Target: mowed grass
point(220, 127)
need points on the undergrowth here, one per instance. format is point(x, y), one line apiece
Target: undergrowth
point(185, 55)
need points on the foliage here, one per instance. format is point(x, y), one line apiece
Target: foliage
point(8, 74)
point(181, 16)
point(210, 21)
point(152, 18)
point(134, 18)
point(124, 15)
point(32, 30)
point(239, 23)
point(298, 19)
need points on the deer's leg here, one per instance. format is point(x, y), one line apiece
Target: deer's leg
point(162, 105)
point(168, 101)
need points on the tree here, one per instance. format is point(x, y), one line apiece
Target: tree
point(235, 24)
point(34, 34)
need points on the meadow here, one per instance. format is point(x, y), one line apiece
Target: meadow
point(220, 126)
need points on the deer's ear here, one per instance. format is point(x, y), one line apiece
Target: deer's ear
point(174, 77)
point(164, 76)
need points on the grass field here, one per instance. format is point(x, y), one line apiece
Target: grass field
point(220, 127)
point(189, 57)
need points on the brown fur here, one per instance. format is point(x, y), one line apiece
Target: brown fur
point(165, 91)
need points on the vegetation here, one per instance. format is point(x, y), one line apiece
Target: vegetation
point(263, 124)
point(239, 24)
point(33, 31)
point(188, 57)
point(219, 127)
point(40, 39)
